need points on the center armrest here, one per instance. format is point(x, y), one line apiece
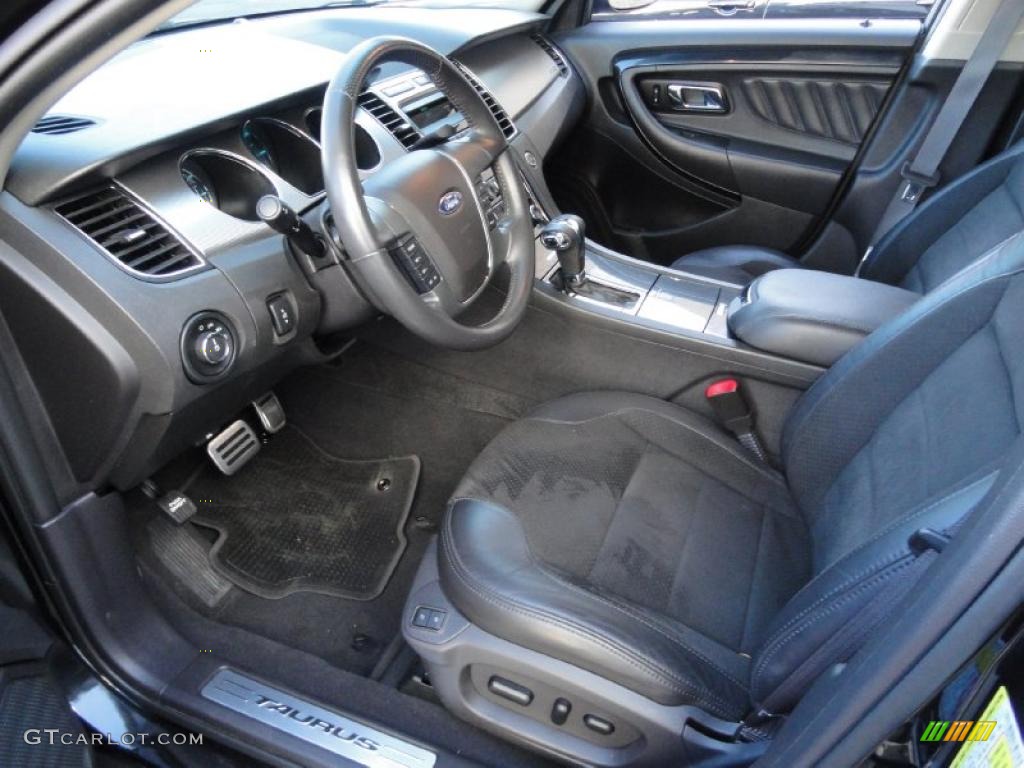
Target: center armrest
point(815, 317)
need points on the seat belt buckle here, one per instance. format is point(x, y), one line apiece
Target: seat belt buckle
point(915, 184)
point(730, 406)
point(734, 413)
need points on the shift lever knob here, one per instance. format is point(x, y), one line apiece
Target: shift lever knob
point(565, 236)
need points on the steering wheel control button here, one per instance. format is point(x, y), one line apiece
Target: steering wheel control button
point(598, 725)
point(488, 190)
point(282, 315)
point(513, 692)
point(560, 711)
point(208, 346)
point(416, 264)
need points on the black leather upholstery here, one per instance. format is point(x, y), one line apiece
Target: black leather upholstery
point(562, 507)
point(945, 234)
point(636, 540)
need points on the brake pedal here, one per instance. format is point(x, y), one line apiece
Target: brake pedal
point(270, 412)
point(232, 448)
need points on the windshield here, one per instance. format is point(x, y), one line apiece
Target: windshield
point(206, 11)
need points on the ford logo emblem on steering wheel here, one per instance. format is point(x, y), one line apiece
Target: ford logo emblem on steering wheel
point(450, 202)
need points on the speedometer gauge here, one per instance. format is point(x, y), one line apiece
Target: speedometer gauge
point(199, 184)
point(258, 143)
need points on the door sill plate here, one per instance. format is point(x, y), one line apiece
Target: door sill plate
point(313, 724)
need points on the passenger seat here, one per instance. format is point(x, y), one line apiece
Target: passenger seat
point(949, 231)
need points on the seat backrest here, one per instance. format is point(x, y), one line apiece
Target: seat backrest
point(907, 431)
point(957, 225)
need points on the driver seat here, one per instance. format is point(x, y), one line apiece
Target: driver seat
point(629, 558)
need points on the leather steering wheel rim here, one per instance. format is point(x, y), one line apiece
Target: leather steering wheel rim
point(369, 215)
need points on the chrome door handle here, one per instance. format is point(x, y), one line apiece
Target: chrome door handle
point(696, 97)
point(729, 7)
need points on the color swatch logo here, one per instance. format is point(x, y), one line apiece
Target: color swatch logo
point(958, 730)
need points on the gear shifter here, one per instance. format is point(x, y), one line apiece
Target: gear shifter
point(565, 236)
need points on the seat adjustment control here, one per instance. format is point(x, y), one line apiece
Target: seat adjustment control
point(598, 725)
point(429, 618)
point(514, 692)
point(560, 711)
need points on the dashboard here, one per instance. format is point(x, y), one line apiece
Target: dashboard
point(134, 252)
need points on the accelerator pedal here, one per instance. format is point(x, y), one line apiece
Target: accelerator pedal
point(232, 448)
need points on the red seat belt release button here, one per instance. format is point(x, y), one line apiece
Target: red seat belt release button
point(730, 406)
point(733, 413)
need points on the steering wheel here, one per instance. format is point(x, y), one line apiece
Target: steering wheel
point(416, 231)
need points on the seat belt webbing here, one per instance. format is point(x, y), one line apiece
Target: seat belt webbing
point(921, 173)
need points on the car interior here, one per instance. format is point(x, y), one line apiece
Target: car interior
point(591, 382)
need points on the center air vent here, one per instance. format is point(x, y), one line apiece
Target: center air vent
point(133, 237)
point(55, 125)
point(504, 121)
point(389, 118)
point(554, 53)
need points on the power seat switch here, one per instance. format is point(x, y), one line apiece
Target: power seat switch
point(429, 618)
point(560, 711)
point(514, 692)
point(598, 725)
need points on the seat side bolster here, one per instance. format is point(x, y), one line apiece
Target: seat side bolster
point(489, 573)
point(829, 606)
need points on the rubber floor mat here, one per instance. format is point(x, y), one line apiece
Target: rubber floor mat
point(299, 519)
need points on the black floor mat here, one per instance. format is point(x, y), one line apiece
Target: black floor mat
point(299, 519)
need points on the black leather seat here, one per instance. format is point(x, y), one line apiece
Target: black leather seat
point(947, 232)
point(637, 541)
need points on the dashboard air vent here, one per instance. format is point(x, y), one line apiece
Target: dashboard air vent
point(55, 125)
point(389, 118)
point(554, 53)
point(135, 239)
point(504, 121)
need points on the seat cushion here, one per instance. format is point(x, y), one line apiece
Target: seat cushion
point(737, 264)
point(632, 538)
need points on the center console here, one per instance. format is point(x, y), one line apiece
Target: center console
point(642, 294)
point(793, 322)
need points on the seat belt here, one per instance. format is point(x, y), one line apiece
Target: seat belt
point(922, 173)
